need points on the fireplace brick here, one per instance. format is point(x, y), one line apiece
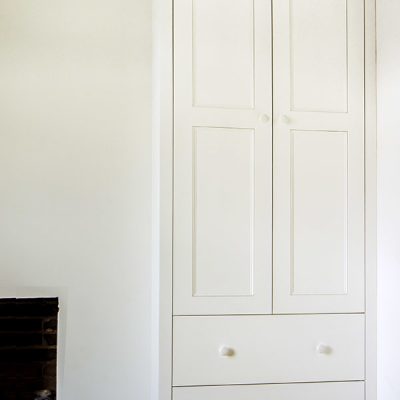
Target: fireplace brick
point(28, 347)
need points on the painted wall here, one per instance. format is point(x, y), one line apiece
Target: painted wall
point(75, 182)
point(389, 197)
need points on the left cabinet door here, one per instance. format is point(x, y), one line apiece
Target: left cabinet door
point(222, 157)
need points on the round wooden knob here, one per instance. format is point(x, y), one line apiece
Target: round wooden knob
point(264, 118)
point(225, 351)
point(285, 119)
point(324, 349)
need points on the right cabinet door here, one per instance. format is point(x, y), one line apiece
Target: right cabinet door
point(318, 156)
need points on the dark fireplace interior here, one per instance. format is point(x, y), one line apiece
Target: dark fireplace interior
point(28, 349)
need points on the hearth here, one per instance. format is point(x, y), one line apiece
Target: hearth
point(28, 349)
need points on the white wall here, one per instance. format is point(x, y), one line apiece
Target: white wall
point(75, 181)
point(389, 197)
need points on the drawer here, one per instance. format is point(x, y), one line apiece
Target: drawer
point(224, 350)
point(304, 391)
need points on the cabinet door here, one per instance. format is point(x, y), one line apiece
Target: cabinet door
point(223, 157)
point(318, 156)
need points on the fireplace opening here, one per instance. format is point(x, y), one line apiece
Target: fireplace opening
point(28, 349)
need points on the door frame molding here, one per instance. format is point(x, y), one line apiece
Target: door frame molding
point(370, 117)
point(162, 200)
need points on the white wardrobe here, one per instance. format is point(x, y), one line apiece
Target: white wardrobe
point(269, 200)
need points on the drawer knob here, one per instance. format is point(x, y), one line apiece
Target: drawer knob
point(225, 351)
point(285, 119)
point(324, 349)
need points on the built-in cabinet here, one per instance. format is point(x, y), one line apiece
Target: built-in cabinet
point(269, 200)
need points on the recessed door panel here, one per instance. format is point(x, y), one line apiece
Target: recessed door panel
point(223, 53)
point(319, 213)
point(223, 215)
point(318, 55)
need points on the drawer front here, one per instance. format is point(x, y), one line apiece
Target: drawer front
point(308, 391)
point(227, 350)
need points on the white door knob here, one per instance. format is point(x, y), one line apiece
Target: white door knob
point(225, 351)
point(324, 349)
point(285, 119)
point(264, 118)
